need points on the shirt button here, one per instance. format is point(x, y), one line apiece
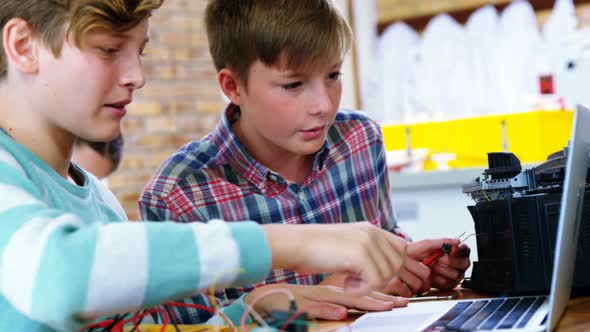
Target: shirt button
point(301, 195)
point(262, 185)
point(272, 178)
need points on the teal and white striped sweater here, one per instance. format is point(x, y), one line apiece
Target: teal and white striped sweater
point(65, 257)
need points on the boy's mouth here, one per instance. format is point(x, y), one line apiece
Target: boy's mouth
point(119, 108)
point(119, 104)
point(314, 129)
point(313, 133)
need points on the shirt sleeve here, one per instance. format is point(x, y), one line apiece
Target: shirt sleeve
point(156, 205)
point(63, 271)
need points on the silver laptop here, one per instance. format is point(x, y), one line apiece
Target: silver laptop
point(529, 313)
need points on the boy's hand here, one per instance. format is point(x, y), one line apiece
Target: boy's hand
point(450, 269)
point(368, 255)
point(324, 302)
point(416, 277)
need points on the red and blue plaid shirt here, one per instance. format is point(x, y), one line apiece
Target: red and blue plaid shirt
point(216, 178)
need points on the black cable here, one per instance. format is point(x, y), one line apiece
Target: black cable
point(171, 320)
point(116, 320)
point(136, 324)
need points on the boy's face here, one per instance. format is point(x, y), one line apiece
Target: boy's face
point(289, 111)
point(85, 90)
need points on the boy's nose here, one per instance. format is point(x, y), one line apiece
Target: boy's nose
point(132, 74)
point(320, 101)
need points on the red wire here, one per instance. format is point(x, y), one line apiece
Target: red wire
point(138, 315)
point(293, 318)
point(433, 258)
point(190, 305)
point(102, 324)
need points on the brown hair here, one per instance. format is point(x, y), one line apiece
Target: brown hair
point(48, 18)
point(300, 32)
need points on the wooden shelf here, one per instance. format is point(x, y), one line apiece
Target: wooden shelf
point(417, 14)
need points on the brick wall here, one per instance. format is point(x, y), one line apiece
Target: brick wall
point(180, 102)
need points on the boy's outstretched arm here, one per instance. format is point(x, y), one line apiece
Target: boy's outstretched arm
point(63, 271)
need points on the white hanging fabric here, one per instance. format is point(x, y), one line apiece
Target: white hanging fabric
point(562, 22)
point(443, 89)
point(392, 74)
point(365, 27)
point(482, 33)
point(518, 56)
point(560, 28)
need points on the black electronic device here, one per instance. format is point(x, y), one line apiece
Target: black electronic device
point(516, 215)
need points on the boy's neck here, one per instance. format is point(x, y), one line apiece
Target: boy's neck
point(296, 171)
point(292, 167)
point(49, 144)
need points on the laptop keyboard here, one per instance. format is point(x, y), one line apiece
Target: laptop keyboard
point(488, 314)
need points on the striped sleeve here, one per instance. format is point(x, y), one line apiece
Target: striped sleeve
point(62, 271)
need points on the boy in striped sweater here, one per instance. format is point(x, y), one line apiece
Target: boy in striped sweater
point(68, 68)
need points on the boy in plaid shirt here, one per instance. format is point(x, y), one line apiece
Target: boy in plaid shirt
point(283, 151)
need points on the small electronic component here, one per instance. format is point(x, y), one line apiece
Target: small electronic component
point(445, 249)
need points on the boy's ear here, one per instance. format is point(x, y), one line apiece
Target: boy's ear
point(20, 45)
point(230, 85)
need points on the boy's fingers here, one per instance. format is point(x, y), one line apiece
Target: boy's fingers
point(399, 252)
point(329, 311)
point(419, 250)
point(356, 285)
point(461, 251)
point(392, 259)
point(380, 253)
point(398, 287)
point(413, 282)
point(398, 301)
point(415, 275)
point(335, 295)
point(456, 260)
point(447, 272)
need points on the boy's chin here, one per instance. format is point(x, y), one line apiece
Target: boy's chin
point(103, 136)
point(309, 149)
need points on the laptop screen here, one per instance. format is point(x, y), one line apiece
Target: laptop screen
point(570, 215)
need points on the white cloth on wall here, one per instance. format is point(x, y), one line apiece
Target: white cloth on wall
point(392, 74)
point(443, 89)
point(518, 56)
point(365, 28)
point(558, 33)
point(482, 33)
point(562, 22)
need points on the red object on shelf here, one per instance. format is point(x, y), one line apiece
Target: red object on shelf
point(546, 86)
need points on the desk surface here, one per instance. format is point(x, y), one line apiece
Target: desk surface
point(576, 317)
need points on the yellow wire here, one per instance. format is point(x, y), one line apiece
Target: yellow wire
point(486, 196)
point(212, 288)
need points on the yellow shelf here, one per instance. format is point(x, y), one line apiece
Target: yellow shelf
point(531, 136)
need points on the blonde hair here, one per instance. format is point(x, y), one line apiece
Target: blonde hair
point(298, 32)
point(48, 19)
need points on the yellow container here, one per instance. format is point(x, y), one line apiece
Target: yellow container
point(531, 136)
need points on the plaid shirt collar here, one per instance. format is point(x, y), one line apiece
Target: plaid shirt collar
point(232, 152)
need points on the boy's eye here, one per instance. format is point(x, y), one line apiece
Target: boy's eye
point(335, 75)
point(291, 86)
point(110, 50)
